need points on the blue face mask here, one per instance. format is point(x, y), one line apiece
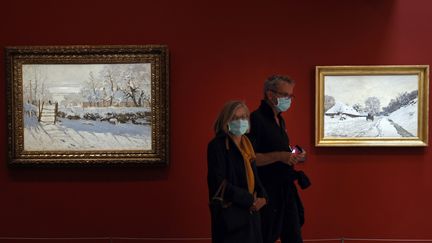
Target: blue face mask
point(238, 127)
point(283, 104)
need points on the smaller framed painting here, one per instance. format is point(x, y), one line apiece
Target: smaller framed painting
point(372, 105)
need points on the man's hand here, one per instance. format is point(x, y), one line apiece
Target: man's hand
point(302, 156)
point(293, 158)
point(284, 156)
point(258, 204)
point(289, 158)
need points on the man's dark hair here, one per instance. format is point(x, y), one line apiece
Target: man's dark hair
point(272, 82)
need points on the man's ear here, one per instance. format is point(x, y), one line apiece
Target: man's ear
point(269, 94)
point(270, 97)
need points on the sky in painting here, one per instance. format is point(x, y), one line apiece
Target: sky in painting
point(356, 89)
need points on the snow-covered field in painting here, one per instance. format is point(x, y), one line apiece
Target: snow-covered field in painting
point(407, 117)
point(83, 134)
point(400, 123)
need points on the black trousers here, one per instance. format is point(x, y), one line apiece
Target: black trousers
point(283, 217)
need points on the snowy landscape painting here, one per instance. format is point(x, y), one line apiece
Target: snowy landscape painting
point(88, 105)
point(371, 107)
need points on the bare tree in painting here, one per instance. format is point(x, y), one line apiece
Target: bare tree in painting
point(135, 85)
point(118, 84)
point(35, 90)
point(372, 105)
point(92, 90)
point(111, 75)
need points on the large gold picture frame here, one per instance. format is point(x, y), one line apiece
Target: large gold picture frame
point(88, 105)
point(372, 106)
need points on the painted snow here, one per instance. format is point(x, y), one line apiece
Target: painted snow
point(407, 117)
point(371, 106)
point(100, 107)
point(358, 127)
point(343, 109)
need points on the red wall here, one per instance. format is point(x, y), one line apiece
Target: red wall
point(221, 51)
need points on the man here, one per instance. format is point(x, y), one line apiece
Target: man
point(283, 216)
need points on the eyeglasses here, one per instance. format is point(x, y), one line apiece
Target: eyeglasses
point(244, 117)
point(283, 95)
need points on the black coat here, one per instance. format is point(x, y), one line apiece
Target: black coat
point(226, 162)
point(284, 214)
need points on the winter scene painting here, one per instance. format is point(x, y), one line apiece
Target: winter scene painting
point(381, 106)
point(83, 107)
point(372, 105)
point(88, 105)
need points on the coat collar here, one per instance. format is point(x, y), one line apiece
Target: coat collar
point(267, 109)
point(229, 143)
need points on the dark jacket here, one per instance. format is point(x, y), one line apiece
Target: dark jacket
point(284, 214)
point(226, 162)
point(266, 136)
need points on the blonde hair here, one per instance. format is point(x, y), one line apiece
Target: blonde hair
point(226, 115)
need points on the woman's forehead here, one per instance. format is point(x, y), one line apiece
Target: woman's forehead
point(240, 111)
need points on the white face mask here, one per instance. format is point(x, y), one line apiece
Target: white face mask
point(238, 127)
point(283, 104)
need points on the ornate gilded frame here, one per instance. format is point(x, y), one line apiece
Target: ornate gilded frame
point(331, 74)
point(155, 55)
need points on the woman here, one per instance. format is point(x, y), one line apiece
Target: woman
point(231, 160)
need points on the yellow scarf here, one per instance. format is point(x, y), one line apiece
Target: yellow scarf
point(248, 154)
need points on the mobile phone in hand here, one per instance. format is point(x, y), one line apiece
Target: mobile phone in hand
point(298, 149)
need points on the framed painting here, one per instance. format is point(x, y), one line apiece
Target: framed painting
point(372, 105)
point(88, 105)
